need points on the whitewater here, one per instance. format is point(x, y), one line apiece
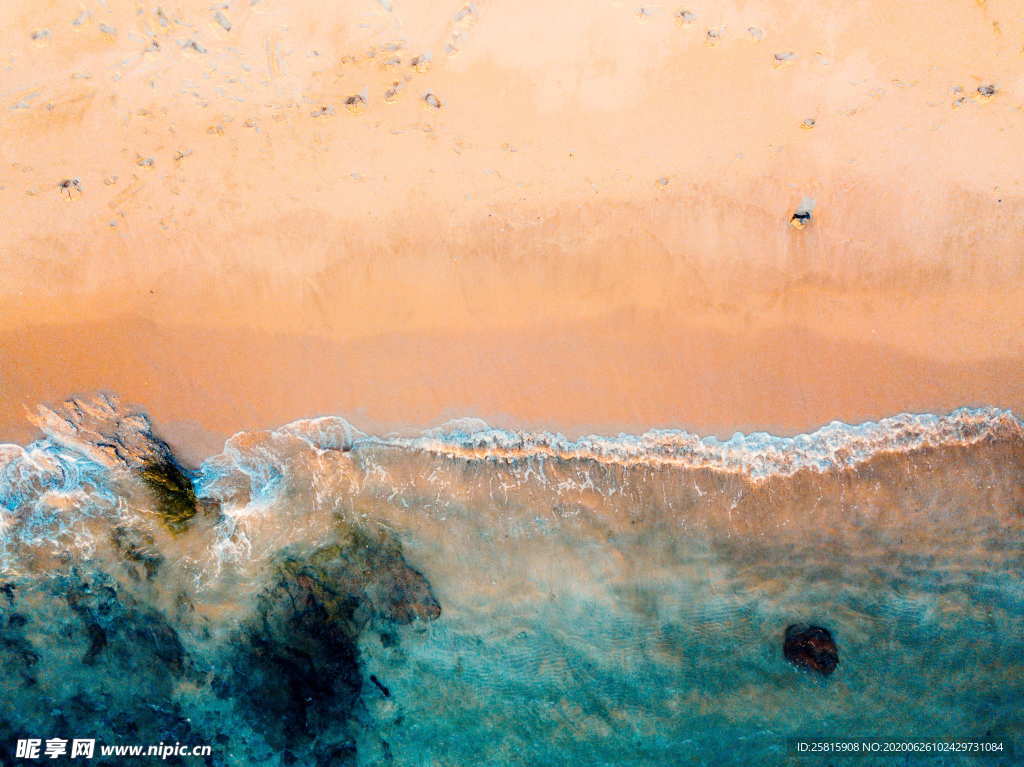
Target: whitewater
point(521, 598)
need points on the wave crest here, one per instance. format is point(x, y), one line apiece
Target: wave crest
point(759, 454)
point(95, 457)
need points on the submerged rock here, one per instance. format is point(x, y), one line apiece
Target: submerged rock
point(296, 675)
point(83, 655)
point(811, 647)
point(83, 647)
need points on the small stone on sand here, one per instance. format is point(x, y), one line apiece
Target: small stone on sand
point(986, 92)
point(802, 216)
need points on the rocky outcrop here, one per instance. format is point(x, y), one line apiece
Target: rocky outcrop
point(811, 647)
point(98, 428)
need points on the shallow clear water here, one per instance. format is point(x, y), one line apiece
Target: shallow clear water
point(519, 599)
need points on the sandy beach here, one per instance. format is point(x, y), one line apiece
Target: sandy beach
point(570, 217)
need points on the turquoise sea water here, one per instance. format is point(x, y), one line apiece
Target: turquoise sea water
point(516, 599)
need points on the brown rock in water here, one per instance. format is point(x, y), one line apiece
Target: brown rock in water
point(121, 439)
point(811, 647)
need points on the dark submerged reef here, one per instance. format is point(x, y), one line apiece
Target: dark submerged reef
point(85, 657)
point(811, 647)
point(295, 672)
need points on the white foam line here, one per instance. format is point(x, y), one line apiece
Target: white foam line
point(759, 454)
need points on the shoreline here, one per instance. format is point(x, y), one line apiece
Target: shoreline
point(101, 423)
point(604, 377)
point(591, 233)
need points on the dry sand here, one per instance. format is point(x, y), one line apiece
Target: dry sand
point(584, 227)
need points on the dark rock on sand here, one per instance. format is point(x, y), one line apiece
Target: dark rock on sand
point(802, 215)
point(800, 219)
point(811, 647)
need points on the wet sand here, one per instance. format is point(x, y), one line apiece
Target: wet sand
point(586, 228)
point(645, 375)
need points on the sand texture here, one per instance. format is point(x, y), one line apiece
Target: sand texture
point(575, 216)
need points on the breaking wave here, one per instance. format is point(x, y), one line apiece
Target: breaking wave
point(314, 594)
point(758, 455)
point(76, 471)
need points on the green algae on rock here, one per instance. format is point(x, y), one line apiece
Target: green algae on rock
point(175, 498)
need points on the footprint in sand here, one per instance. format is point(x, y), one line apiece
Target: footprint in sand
point(783, 58)
point(421, 63)
point(356, 104)
point(432, 101)
point(463, 20)
point(70, 185)
point(686, 17)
